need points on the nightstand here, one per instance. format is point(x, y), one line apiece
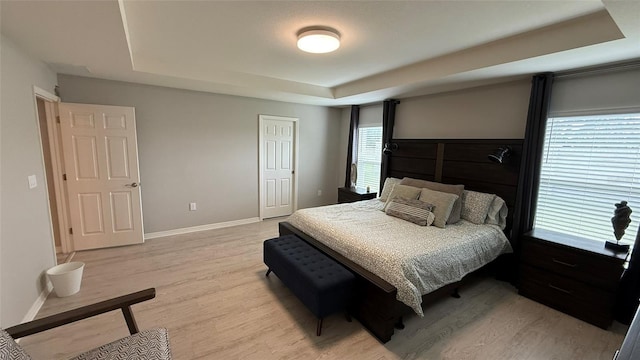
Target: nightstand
point(347, 195)
point(574, 275)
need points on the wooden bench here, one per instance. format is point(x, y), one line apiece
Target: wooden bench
point(323, 285)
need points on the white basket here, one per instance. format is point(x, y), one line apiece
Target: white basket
point(66, 278)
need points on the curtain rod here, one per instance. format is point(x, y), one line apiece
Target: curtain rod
point(600, 69)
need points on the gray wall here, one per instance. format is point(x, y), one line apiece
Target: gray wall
point(201, 147)
point(26, 243)
point(487, 112)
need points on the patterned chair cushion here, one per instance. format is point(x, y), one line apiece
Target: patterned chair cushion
point(146, 345)
point(9, 348)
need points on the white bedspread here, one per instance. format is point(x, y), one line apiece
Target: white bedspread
point(415, 259)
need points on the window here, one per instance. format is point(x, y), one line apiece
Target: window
point(589, 163)
point(369, 157)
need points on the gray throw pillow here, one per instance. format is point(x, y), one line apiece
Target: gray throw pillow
point(404, 192)
point(442, 202)
point(447, 188)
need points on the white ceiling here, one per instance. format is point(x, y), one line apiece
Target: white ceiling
point(389, 48)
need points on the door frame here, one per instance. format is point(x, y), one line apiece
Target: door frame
point(261, 120)
point(53, 132)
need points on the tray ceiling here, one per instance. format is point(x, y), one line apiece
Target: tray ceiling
point(389, 48)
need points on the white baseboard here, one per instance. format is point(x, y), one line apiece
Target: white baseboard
point(192, 229)
point(33, 311)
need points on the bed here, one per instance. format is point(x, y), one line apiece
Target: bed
point(415, 259)
point(396, 276)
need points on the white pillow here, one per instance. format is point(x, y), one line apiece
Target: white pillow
point(389, 183)
point(497, 214)
point(475, 206)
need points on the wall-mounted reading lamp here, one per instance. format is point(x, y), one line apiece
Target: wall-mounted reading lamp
point(500, 155)
point(389, 148)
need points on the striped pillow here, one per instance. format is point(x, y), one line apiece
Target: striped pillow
point(415, 211)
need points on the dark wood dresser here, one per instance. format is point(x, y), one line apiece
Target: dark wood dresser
point(574, 275)
point(347, 195)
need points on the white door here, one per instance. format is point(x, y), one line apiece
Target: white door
point(101, 165)
point(277, 166)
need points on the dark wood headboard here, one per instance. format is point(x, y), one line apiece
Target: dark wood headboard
point(454, 161)
point(448, 161)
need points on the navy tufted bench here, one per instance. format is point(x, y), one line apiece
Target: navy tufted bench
point(322, 284)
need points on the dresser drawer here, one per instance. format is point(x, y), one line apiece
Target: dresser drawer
point(586, 267)
point(568, 295)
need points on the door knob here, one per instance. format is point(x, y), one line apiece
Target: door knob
point(133, 185)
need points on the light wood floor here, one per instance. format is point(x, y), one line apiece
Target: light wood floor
point(214, 299)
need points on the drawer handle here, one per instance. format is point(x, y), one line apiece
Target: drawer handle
point(560, 289)
point(563, 263)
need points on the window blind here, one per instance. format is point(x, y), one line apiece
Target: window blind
point(369, 157)
point(589, 163)
point(370, 115)
point(607, 91)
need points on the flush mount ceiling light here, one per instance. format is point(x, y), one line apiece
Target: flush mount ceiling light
point(318, 40)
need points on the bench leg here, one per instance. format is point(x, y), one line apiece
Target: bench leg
point(400, 324)
point(268, 272)
point(455, 294)
point(319, 327)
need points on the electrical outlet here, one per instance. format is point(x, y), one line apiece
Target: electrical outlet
point(319, 192)
point(192, 207)
point(32, 181)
